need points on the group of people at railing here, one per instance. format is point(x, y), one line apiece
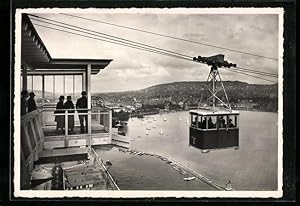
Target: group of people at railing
point(27, 102)
point(68, 107)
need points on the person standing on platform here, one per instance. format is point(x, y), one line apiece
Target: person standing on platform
point(60, 119)
point(82, 104)
point(31, 102)
point(70, 107)
point(24, 103)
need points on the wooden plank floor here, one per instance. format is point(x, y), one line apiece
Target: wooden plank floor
point(63, 152)
point(63, 155)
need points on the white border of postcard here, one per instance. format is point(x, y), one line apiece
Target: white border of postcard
point(155, 193)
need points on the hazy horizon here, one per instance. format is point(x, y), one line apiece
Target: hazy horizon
point(151, 86)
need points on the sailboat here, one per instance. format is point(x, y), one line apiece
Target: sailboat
point(189, 178)
point(186, 120)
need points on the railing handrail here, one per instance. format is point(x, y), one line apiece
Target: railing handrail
point(54, 106)
point(75, 109)
point(70, 114)
point(30, 115)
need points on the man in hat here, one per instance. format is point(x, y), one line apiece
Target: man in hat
point(80, 105)
point(70, 106)
point(31, 102)
point(60, 119)
point(230, 124)
point(24, 96)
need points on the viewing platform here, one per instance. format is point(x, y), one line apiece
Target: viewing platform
point(40, 143)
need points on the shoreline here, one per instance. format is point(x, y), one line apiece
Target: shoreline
point(173, 111)
point(179, 167)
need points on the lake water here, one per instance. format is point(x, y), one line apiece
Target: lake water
point(252, 167)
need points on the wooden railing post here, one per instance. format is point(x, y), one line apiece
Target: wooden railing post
point(66, 127)
point(90, 128)
point(110, 124)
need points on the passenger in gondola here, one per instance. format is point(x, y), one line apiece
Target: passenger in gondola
point(222, 122)
point(210, 123)
point(230, 124)
point(203, 125)
point(199, 123)
point(60, 119)
point(70, 108)
point(194, 122)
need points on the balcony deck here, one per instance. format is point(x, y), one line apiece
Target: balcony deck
point(51, 130)
point(41, 145)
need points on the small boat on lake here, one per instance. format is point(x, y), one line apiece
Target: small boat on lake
point(140, 116)
point(189, 178)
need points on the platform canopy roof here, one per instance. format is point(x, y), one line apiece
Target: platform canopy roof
point(37, 59)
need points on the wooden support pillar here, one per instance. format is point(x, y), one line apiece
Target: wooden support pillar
point(53, 86)
point(84, 81)
point(43, 89)
point(73, 94)
point(110, 124)
point(24, 78)
point(66, 127)
point(43, 99)
point(89, 97)
point(32, 83)
point(64, 85)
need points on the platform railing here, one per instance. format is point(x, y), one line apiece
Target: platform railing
point(32, 139)
point(97, 116)
point(97, 131)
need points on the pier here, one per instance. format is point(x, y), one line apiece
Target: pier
point(179, 167)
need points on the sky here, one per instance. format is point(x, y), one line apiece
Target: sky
point(133, 69)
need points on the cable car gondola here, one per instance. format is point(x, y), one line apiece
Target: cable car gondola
point(215, 126)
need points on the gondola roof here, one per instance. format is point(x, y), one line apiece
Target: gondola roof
point(211, 112)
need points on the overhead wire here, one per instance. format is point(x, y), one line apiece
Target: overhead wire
point(263, 73)
point(250, 75)
point(103, 34)
point(126, 40)
point(136, 45)
point(172, 37)
point(126, 45)
point(255, 72)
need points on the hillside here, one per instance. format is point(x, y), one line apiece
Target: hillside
point(264, 97)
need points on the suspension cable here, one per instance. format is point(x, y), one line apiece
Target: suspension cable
point(172, 37)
